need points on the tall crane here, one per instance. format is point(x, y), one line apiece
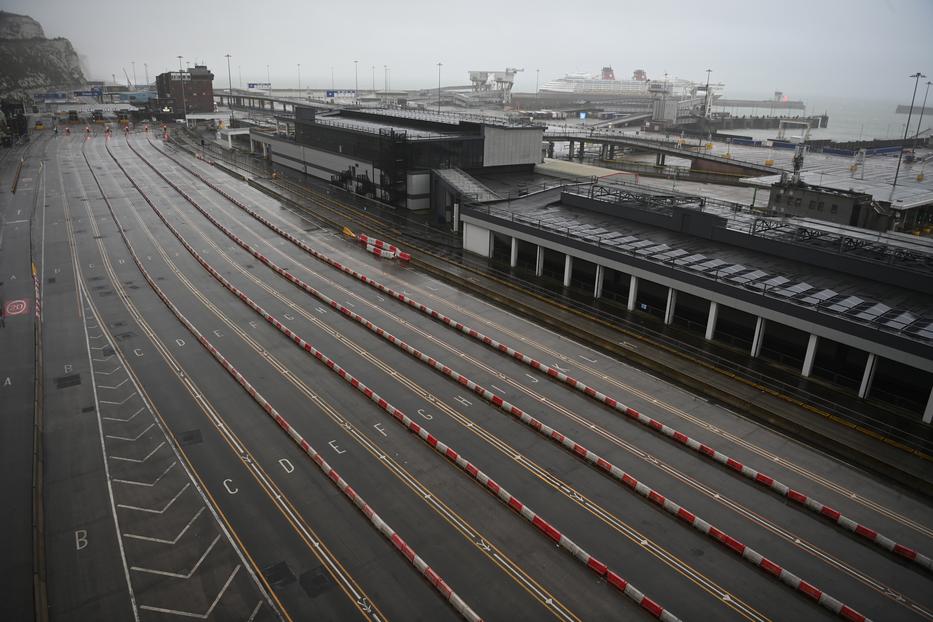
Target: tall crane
point(129, 83)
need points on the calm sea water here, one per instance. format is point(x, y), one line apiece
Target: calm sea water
point(850, 119)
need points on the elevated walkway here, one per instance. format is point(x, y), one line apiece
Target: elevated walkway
point(467, 185)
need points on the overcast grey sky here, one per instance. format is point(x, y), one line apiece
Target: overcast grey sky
point(859, 48)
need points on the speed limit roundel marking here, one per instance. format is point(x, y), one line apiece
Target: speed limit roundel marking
point(16, 307)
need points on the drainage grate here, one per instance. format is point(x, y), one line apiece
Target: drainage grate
point(87, 409)
point(125, 336)
point(117, 324)
point(191, 437)
point(63, 382)
point(51, 279)
point(279, 575)
point(315, 582)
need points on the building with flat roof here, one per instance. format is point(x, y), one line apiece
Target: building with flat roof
point(389, 155)
point(183, 92)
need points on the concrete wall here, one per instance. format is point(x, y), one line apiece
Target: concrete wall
point(321, 164)
point(509, 146)
point(419, 191)
point(477, 239)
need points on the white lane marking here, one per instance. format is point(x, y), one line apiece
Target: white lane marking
point(148, 484)
point(120, 403)
point(200, 616)
point(136, 460)
point(533, 379)
point(156, 511)
point(255, 611)
point(498, 389)
point(173, 540)
point(136, 438)
point(182, 575)
point(108, 373)
point(463, 400)
point(82, 293)
point(130, 418)
point(116, 386)
point(586, 358)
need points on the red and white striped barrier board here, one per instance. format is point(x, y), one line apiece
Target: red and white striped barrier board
point(391, 249)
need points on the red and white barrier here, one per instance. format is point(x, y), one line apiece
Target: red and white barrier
point(448, 452)
point(387, 250)
point(759, 477)
point(390, 534)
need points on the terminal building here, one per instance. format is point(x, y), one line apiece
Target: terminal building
point(397, 157)
point(184, 92)
point(846, 307)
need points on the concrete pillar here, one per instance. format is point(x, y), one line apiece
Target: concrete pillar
point(868, 376)
point(550, 149)
point(810, 356)
point(671, 305)
point(539, 261)
point(711, 319)
point(598, 285)
point(570, 151)
point(632, 292)
point(612, 152)
point(568, 269)
point(513, 256)
point(230, 141)
point(582, 147)
point(759, 337)
point(928, 411)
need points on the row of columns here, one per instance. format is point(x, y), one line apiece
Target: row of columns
point(712, 318)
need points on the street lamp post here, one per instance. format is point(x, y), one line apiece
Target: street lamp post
point(439, 88)
point(229, 76)
point(900, 153)
point(181, 75)
point(922, 110)
point(706, 107)
point(356, 81)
